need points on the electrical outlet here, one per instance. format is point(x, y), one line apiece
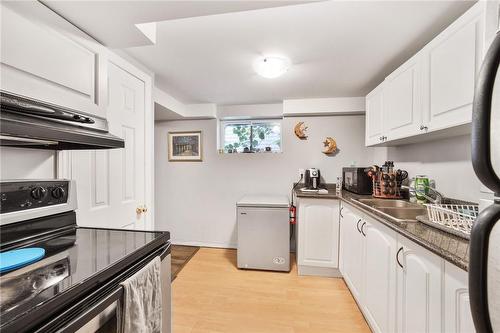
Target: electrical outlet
point(301, 173)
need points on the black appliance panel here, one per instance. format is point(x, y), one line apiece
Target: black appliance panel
point(354, 179)
point(20, 195)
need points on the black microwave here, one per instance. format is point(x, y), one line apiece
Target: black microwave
point(354, 179)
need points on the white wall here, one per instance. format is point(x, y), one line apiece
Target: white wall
point(22, 163)
point(195, 201)
point(447, 161)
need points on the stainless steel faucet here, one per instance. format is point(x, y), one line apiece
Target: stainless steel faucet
point(439, 196)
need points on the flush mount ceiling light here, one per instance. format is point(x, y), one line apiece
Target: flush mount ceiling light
point(271, 66)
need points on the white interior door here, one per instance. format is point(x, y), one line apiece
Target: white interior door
point(111, 183)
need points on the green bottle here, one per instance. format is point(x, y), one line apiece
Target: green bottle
point(421, 188)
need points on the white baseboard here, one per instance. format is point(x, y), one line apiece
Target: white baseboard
point(205, 244)
point(319, 271)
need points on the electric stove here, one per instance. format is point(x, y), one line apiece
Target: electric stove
point(81, 269)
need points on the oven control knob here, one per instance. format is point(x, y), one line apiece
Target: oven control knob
point(38, 193)
point(58, 193)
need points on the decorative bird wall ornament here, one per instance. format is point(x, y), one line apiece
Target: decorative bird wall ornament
point(300, 129)
point(330, 146)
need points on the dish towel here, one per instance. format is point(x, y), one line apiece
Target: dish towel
point(140, 308)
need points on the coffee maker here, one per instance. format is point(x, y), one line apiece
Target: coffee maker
point(312, 179)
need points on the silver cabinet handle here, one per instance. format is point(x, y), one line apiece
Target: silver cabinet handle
point(423, 128)
point(357, 225)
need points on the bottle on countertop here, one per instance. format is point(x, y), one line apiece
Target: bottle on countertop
point(421, 188)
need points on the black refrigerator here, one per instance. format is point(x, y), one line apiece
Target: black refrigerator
point(484, 251)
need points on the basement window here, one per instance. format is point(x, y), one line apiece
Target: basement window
point(251, 136)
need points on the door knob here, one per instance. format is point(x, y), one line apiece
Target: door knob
point(141, 209)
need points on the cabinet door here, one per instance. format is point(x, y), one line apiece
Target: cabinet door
point(318, 233)
point(457, 314)
point(379, 290)
point(451, 65)
point(419, 289)
point(374, 110)
point(352, 254)
point(46, 58)
point(402, 102)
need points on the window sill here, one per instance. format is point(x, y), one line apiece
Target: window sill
point(254, 153)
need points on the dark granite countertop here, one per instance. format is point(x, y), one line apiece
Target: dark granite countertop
point(448, 246)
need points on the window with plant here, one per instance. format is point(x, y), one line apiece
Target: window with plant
point(251, 136)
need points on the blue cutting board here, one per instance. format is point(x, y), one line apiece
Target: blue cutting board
point(14, 259)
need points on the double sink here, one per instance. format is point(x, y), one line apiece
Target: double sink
point(396, 210)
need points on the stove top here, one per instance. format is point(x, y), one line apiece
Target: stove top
point(71, 259)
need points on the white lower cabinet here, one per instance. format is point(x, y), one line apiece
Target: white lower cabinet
point(398, 285)
point(318, 237)
point(379, 275)
point(457, 315)
point(368, 266)
point(351, 251)
point(419, 288)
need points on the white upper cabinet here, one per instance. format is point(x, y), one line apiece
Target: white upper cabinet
point(374, 122)
point(433, 91)
point(46, 58)
point(402, 107)
point(451, 64)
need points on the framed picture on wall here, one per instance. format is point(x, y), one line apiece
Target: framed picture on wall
point(184, 146)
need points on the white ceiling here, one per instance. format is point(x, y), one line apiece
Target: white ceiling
point(337, 48)
point(113, 22)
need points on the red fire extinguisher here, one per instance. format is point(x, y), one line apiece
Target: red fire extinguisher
point(293, 211)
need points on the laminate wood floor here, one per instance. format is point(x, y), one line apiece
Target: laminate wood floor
point(181, 255)
point(212, 295)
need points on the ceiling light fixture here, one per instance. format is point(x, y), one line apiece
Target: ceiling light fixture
point(271, 67)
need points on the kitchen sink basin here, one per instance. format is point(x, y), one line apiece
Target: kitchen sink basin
point(403, 214)
point(396, 210)
point(388, 203)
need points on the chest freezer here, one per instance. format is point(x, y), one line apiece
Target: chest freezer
point(263, 233)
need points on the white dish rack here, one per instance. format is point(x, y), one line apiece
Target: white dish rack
point(457, 217)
